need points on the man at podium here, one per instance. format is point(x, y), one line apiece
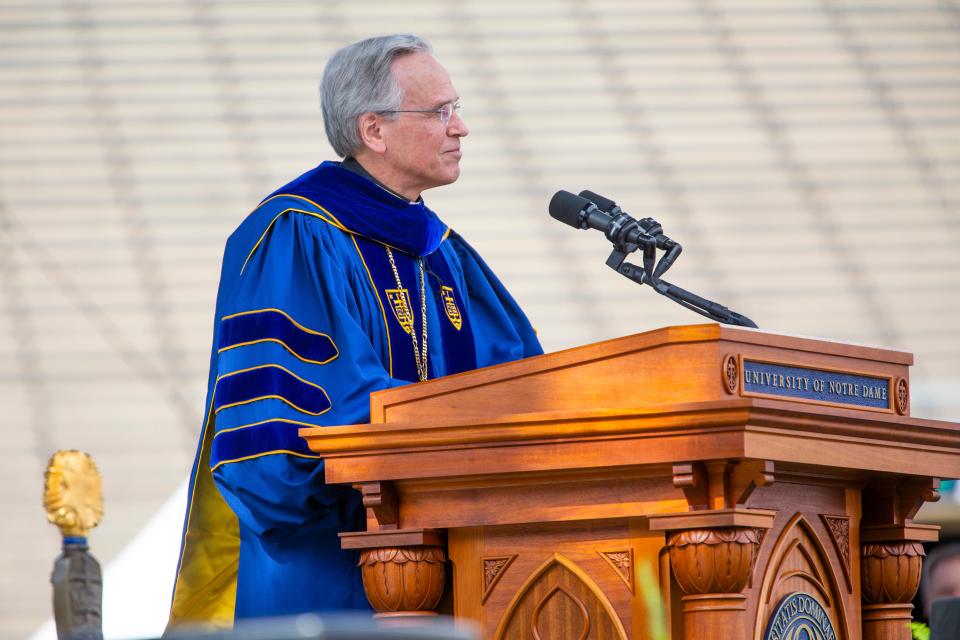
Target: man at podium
point(340, 283)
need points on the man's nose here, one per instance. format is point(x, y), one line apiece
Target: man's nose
point(457, 126)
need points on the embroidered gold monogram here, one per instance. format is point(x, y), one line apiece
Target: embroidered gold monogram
point(450, 306)
point(400, 303)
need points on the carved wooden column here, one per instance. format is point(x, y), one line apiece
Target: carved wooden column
point(712, 567)
point(889, 577)
point(403, 570)
point(891, 554)
point(404, 581)
point(713, 546)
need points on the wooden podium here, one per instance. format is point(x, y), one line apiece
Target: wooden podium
point(690, 482)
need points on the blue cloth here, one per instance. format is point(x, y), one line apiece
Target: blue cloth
point(310, 321)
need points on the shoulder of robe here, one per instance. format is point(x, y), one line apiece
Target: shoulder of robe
point(256, 228)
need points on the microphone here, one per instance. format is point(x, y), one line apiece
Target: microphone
point(650, 226)
point(591, 211)
point(581, 213)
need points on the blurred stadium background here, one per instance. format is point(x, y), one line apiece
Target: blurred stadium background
point(806, 153)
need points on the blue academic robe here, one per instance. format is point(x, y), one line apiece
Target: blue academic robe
point(309, 321)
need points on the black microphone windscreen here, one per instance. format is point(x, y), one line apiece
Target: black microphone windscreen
point(604, 204)
point(566, 207)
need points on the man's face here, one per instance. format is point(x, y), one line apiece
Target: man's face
point(944, 582)
point(420, 149)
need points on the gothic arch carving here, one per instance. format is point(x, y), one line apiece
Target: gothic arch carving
point(799, 562)
point(555, 596)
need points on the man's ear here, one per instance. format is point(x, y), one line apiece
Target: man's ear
point(370, 133)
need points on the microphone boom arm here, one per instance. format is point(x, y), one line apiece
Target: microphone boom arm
point(718, 312)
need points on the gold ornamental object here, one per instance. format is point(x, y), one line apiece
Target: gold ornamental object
point(72, 495)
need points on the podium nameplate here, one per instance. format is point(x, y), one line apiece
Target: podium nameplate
point(805, 383)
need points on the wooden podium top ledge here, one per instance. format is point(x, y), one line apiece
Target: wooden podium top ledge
point(646, 341)
point(742, 428)
point(665, 366)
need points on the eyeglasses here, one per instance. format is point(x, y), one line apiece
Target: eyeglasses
point(445, 112)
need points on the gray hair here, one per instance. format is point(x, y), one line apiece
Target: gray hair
point(357, 80)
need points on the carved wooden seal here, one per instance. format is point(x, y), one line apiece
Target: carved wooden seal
point(902, 396)
point(730, 374)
